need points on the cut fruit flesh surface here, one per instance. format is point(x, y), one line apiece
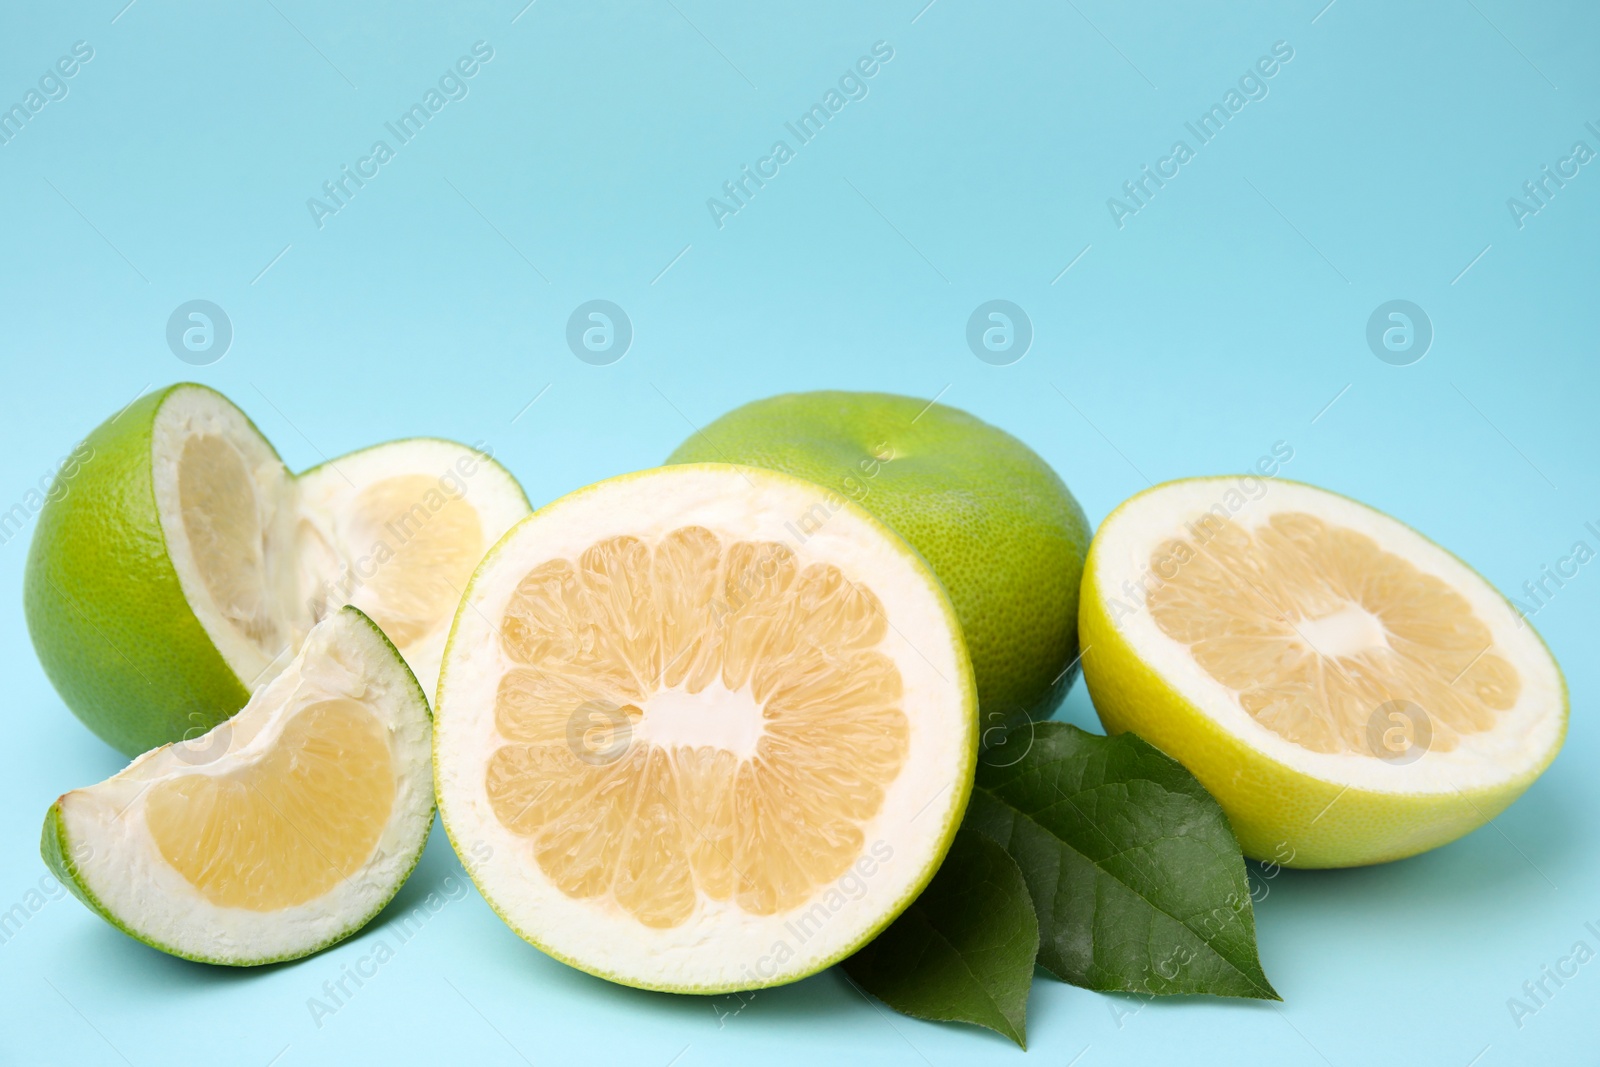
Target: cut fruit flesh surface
point(683, 726)
point(279, 832)
point(1316, 627)
point(331, 769)
point(799, 729)
point(262, 555)
point(1330, 637)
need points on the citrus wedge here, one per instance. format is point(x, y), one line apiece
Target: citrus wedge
point(183, 564)
point(684, 745)
point(278, 833)
point(1348, 690)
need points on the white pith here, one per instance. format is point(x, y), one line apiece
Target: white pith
point(720, 946)
point(1349, 630)
point(119, 864)
point(715, 716)
point(315, 560)
point(1522, 737)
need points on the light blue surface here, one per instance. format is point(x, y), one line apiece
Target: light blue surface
point(1229, 313)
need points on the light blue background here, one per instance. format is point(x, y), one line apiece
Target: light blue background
point(1224, 317)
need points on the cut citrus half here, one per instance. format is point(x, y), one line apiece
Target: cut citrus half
point(703, 728)
point(182, 564)
point(279, 832)
point(1347, 689)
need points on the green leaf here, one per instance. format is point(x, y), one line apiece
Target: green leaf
point(1135, 874)
point(964, 950)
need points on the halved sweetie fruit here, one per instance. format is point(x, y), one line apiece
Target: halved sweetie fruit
point(1348, 690)
point(280, 832)
point(181, 564)
point(703, 728)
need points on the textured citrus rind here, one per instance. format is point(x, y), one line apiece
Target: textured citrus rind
point(104, 606)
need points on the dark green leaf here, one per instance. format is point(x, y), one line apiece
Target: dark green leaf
point(964, 950)
point(1136, 876)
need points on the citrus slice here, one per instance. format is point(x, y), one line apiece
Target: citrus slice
point(684, 745)
point(183, 564)
point(279, 832)
point(1348, 690)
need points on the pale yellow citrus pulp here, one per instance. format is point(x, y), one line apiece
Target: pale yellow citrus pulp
point(609, 648)
point(1317, 628)
point(281, 831)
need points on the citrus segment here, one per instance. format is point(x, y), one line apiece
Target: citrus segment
point(419, 587)
point(280, 832)
point(331, 771)
point(223, 521)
